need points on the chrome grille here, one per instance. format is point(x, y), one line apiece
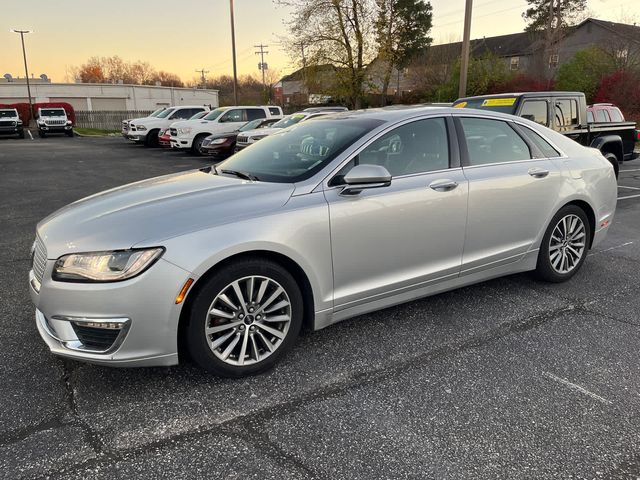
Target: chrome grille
point(8, 123)
point(242, 139)
point(39, 259)
point(55, 122)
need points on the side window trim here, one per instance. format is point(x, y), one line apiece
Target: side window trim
point(536, 153)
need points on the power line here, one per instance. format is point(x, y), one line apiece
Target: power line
point(202, 73)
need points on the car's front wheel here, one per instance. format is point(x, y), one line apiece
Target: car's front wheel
point(564, 246)
point(244, 318)
point(196, 146)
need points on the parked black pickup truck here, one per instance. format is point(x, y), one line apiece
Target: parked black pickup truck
point(565, 112)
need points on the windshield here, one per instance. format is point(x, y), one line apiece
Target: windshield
point(299, 152)
point(213, 114)
point(157, 112)
point(288, 121)
point(252, 125)
point(495, 104)
point(8, 114)
point(165, 113)
point(199, 115)
point(52, 112)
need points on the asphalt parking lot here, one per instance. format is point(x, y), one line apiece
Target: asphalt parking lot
point(507, 379)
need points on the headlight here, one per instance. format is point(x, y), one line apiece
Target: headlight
point(104, 266)
point(141, 128)
point(184, 131)
point(69, 122)
point(218, 141)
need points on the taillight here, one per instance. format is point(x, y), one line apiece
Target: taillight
point(637, 135)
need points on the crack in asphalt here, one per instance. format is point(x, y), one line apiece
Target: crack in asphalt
point(247, 421)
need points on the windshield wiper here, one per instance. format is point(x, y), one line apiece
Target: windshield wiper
point(246, 176)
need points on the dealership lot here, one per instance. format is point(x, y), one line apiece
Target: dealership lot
point(506, 379)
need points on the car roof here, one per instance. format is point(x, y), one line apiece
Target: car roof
point(521, 94)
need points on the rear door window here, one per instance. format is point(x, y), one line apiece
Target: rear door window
point(274, 110)
point(493, 141)
point(600, 116)
point(235, 115)
point(616, 115)
point(566, 114)
point(255, 114)
point(536, 111)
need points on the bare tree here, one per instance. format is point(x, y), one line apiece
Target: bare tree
point(336, 32)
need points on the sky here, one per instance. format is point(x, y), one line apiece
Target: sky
point(181, 36)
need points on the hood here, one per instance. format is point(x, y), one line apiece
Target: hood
point(147, 212)
point(134, 120)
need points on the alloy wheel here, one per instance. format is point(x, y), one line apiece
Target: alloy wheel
point(567, 244)
point(248, 320)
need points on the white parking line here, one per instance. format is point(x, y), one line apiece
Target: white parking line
point(628, 196)
point(609, 249)
point(577, 388)
point(630, 188)
point(631, 170)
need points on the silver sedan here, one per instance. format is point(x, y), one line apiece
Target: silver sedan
point(323, 221)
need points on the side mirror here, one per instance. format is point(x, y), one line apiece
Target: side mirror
point(363, 177)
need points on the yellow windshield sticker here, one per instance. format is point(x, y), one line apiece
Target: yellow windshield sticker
point(460, 105)
point(499, 102)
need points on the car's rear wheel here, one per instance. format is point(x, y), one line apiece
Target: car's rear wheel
point(244, 318)
point(564, 246)
point(613, 160)
point(196, 146)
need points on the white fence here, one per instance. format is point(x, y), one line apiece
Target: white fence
point(106, 120)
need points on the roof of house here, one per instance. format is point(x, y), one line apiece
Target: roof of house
point(632, 32)
point(299, 74)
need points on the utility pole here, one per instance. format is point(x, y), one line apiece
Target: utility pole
point(466, 40)
point(262, 66)
point(203, 79)
point(26, 70)
point(233, 52)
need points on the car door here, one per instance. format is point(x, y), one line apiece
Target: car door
point(512, 190)
point(393, 239)
point(233, 119)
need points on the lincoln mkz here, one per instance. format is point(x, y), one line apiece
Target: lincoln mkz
point(323, 221)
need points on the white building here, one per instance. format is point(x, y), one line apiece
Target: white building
point(99, 96)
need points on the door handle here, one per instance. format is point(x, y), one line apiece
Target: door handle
point(443, 185)
point(538, 172)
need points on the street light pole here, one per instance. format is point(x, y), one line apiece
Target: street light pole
point(26, 69)
point(233, 52)
point(466, 40)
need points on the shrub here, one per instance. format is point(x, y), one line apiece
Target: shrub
point(23, 111)
point(621, 88)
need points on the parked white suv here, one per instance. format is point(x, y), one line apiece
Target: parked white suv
point(191, 134)
point(53, 120)
point(145, 130)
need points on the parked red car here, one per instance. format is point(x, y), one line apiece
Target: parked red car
point(604, 113)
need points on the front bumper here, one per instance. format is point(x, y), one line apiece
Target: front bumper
point(142, 309)
point(11, 130)
point(181, 142)
point(136, 136)
point(55, 128)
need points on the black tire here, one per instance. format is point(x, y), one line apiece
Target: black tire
point(151, 140)
point(544, 268)
point(197, 144)
point(21, 134)
point(69, 133)
point(197, 341)
point(613, 159)
point(42, 134)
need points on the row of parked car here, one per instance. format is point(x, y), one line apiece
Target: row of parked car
point(218, 132)
point(49, 120)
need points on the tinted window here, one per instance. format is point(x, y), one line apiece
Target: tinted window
point(58, 112)
point(536, 111)
point(616, 115)
point(493, 141)
point(590, 116)
point(416, 147)
point(600, 117)
point(566, 114)
point(166, 113)
point(545, 147)
point(297, 153)
point(182, 114)
point(255, 113)
point(236, 115)
point(274, 110)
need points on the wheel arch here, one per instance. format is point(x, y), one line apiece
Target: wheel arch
point(284, 261)
point(589, 212)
